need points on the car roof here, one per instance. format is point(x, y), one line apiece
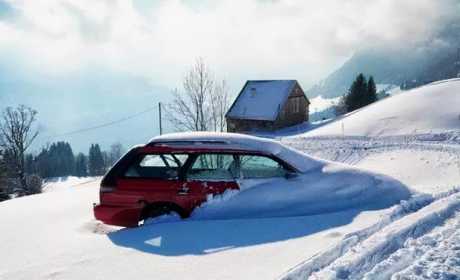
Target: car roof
point(217, 140)
point(235, 141)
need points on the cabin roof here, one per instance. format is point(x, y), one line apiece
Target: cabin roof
point(261, 99)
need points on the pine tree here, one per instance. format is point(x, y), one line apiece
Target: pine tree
point(371, 91)
point(361, 93)
point(95, 161)
point(69, 159)
point(356, 94)
point(43, 163)
point(81, 165)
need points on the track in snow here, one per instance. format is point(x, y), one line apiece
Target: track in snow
point(376, 252)
point(435, 255)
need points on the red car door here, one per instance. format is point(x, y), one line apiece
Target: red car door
point(209, 174)
point(153, 178)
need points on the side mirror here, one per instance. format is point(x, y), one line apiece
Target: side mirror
point(290, 175)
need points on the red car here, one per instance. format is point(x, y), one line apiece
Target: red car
point(178, 172)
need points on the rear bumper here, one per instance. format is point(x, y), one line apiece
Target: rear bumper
point(125, 216)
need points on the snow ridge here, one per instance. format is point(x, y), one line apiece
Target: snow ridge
point(431, 256)
point(330, 256)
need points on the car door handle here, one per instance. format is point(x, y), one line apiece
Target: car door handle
point(183, 191)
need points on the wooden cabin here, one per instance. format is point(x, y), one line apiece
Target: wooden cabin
point(268, 105)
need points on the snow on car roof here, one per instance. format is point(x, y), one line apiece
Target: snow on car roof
point(298, 160)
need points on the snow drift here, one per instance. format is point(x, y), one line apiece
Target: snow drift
point(329, 188)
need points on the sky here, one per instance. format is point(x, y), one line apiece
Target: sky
point(86, 62)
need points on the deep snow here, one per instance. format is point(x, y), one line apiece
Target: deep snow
point(326, 189)
point(54, 236)
point(423, 152)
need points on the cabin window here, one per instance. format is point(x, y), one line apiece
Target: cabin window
point(295, 104)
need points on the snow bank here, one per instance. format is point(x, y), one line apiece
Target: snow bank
point(428, 109)
point(62, 183)
point(329, 188)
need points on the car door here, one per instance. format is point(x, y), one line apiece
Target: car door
point(260, 169)
point(152, 177)
point(211, 174)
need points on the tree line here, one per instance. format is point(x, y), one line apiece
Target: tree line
point(58, 160)
point(22, 172)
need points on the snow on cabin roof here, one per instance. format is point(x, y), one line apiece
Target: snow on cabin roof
point(261, 100)
point(224, 140)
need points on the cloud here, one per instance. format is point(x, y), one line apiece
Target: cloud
point(240, 39)
point(94, 61)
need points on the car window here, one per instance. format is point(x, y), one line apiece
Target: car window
point(252, 166)
point(182, 158)
point(213, 167)
point(152, 161)
point(161, 166)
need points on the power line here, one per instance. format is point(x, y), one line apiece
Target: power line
point(82, 130)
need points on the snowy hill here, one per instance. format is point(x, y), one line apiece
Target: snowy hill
point(434, 108)
point(413, 137)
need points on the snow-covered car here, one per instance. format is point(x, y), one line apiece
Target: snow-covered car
point(247, 175)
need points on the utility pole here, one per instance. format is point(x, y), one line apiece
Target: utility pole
point(457, 63)
point(159, 117)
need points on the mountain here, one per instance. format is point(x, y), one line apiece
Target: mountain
point(408, 65)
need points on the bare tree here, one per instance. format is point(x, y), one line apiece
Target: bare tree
point(220, 101)
point(16, 136)
point(115, 153)
point(202, 104)
point(3, 185)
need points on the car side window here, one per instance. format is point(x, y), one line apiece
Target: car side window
point(253, 166)
point(213, 167)
point(158, 166)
